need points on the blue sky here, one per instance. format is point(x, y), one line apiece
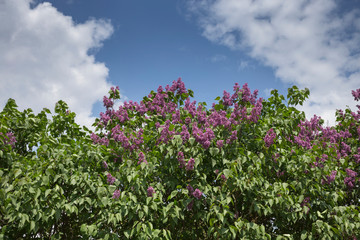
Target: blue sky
point(75, 50)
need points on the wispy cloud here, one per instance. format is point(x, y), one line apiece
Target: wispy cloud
point(45, 57)
point(307, 42)
point(243, 65)
point(218, 58)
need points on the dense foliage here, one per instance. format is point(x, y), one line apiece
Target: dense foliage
point(166, 167)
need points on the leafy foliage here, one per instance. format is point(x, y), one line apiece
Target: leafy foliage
point(166, 168)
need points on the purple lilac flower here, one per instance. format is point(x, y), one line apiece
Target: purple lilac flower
point(190, 205)
point(206, 144)
point(108, 103)
point(269, 138)
point(105, 118)
point(150, 191)
point(181, 159)
point(226, 99)
point(110, 179)
point(190, 189)
point(345, 149)
point(116, 194)
point(142, 158)
point(356, 94)
point(97, 139)
point(11, 140)
point(330, 178)
point(190, 165)
point(220, 143)
point(223, 177)
point(351, 173)
point(197, 193)
point(185, 135)
point(350, 180)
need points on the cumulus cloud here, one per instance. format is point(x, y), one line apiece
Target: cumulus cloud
point(45, 57)
point(309, 43)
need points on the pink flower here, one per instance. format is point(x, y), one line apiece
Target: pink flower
point(190, 189)
point(181, 159)
point(190, 165)
point(110, 179)
point(220, 143)
point(197, 193)
point(150, 192)
point(116, 194)
point(269, 138)
point(142, 158)
point(356, 94)
point(190, 205)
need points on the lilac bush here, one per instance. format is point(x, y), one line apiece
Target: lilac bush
point(169, 167)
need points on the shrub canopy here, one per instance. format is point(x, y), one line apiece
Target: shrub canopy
point(168, 168)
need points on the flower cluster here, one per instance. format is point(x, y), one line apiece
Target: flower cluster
point(108, 103)
point(9, 139)
point(142, 158)
point(330, 178)
point(181, 159)
point(269, 137)
point(110, 179)
point(150, 191)
point(197, 194)
point(116, 194)
point(350, 180)
point(356, 94)
point(190, 165)
point(98, 140)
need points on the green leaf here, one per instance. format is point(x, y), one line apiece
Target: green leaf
point(173, 194)
point(214, 151)
point(32, 225)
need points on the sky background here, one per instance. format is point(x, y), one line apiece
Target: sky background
point(75, 50)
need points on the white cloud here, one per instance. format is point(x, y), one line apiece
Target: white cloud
point(45, 57)
point(218, 58)
point(307, 42)
point(243, 65)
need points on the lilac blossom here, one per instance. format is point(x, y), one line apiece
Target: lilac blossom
point(190, 189)
point(190, 165)
point(356, 94)
point(350, 180)
point(190, 205)
point(110, 179)
point(351, 173)
point(181, 159)
point(220, 143)
point(269, 138)
point(197, 193)
point(142, 158)
point(185, 135)
point(10, 139)
point(330, 178)
point(108, 103)
point(116, 194)
point(150, 191)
